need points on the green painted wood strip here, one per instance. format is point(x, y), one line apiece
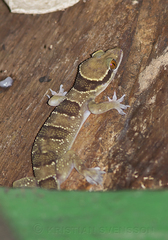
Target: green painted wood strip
point(41, 214)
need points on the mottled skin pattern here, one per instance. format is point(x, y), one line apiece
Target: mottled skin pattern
point(52, 157)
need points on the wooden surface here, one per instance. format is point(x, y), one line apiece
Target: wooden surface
point(132, 149)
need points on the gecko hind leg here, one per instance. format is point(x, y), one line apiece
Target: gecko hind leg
point(71, 160)
point(92, 175)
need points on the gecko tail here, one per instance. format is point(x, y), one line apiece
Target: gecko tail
point(94, 175)
point(25, 182)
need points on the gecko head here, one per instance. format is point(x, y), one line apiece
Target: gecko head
point(97, 72)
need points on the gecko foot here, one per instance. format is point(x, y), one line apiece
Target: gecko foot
point(94, 175)
point(60, 93)
point(117, 102)
point(56, 98)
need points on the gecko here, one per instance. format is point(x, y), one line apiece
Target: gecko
point(52, 157)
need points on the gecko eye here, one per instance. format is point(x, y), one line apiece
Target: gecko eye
point(113, 64)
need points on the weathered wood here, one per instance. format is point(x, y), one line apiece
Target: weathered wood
point(132, 149)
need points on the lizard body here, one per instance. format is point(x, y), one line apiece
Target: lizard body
point(52, 157)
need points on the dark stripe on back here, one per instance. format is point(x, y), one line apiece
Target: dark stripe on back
point(69, 108)
point(48, 183)
point(42, 159)
point(83, 84)
point(53, 132)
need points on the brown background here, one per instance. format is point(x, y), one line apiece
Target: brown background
point(133, 150)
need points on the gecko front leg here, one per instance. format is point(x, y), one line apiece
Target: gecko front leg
point(56, 98)
point(114, 103)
